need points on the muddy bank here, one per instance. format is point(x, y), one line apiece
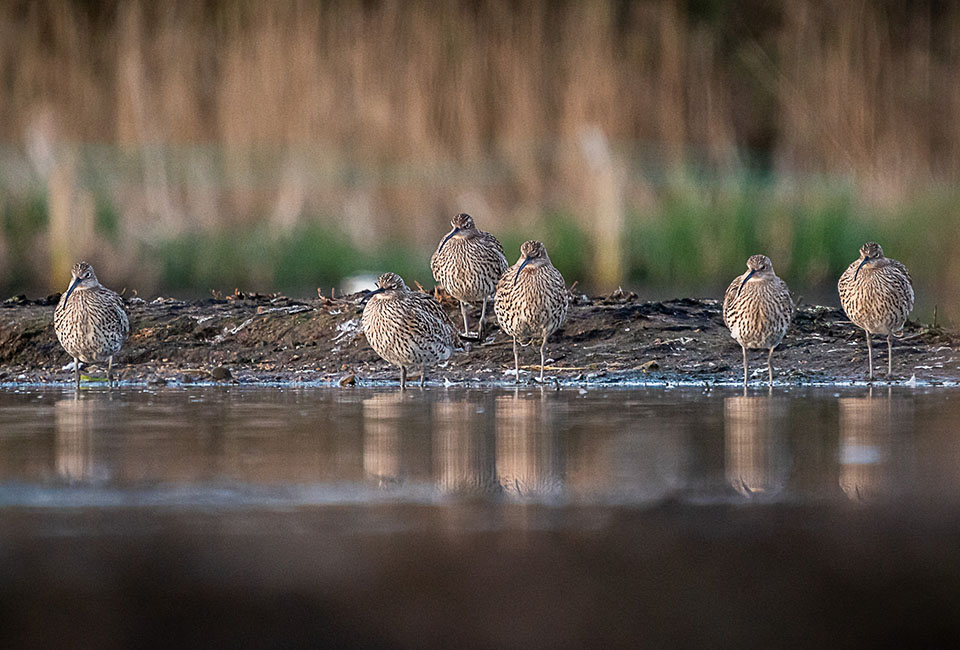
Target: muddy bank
point(614, 338)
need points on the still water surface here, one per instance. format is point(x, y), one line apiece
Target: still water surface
point(226, 448)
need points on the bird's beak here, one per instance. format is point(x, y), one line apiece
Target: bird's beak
point(526, 261)
point(447, 238)
point(749, 275)
point(73, 286)
point(865, 260)
point(371, 295)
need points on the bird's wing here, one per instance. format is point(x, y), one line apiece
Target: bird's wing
point(487, 237)
point(903, 269)
point(729, 296)
point(435, 309)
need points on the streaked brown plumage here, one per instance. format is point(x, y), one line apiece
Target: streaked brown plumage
point(876, 292)
point(531, 301)
point(757, 308)
point(468, 263)
point(90, 321)
point(407, 328)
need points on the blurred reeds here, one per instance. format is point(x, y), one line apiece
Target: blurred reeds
point(279, 144)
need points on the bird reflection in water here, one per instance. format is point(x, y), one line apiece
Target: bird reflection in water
point(386, 432)
point(756, 460)
point(530, 459)
point(75, 420)
point(867, 428)
point(463, 449)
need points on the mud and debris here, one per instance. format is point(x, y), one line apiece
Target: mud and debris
point(616, 338)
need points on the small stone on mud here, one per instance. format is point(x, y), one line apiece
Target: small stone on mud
point(221, 374)
point(348, 380)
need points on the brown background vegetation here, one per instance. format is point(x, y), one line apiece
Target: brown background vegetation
point(381, 119)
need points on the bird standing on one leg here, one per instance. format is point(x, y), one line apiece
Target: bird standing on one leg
point(531, 301)
point(757, 308)
point(877, 294)
point(468, 262)
point(407, 328)
point(90, 321)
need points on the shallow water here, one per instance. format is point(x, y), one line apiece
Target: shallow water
point(227, 517)
point(276, 448)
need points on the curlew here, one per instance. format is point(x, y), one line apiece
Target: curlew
point(468, 263)
point(90, 321)
point(877, 294)
point(407, 328)
point(531, 301)
point(757, 309)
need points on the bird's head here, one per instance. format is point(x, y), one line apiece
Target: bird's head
point(462, 227)
point(758, 266)
point(870, 254)
point(531, 253)
point(82, 277)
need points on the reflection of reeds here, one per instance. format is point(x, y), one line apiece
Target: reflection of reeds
point(385, 118)
point(756, 461)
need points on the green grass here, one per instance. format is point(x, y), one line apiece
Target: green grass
point(259, 259)
point(694, 239)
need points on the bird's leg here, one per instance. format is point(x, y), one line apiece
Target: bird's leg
point(543, 354)
point(770, 368)
point(110, 372)
point(463, 310)
point(403, 377)
point(423, 375)
point(744, 348)
point(516, 361)
point(869, 354)
point(76, 371)
point(889, 355)
point(483, 319)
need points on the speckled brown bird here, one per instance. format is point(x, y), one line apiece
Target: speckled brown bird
point(531, 301)
point(468, 263)
point(877, 294)
point(407, 328)
point(757, 308)
point(90, 321)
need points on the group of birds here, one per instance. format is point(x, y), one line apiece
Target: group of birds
point(876, 292)
point(410, 329)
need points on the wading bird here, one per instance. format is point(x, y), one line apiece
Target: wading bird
point(757, 309)
point(467, 263)
point(90, 321)
point(531, 301)
point(407, 328)
point(877, 294)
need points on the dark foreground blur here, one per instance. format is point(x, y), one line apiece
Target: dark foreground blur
point(674, 576)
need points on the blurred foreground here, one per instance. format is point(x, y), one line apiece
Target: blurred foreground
point(479, 577)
